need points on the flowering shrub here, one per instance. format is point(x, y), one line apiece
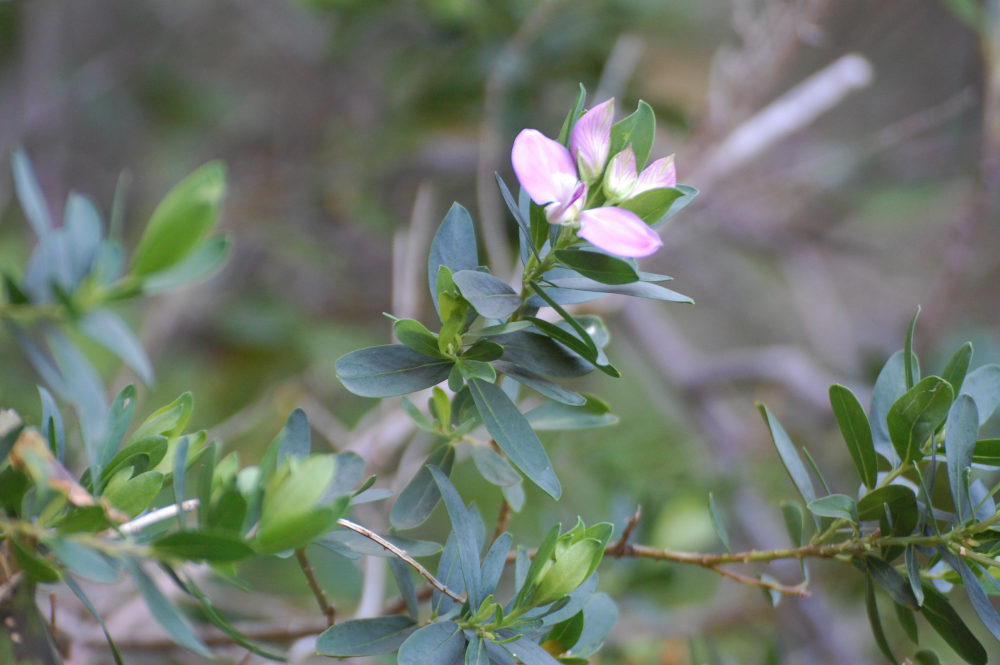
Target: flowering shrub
point(157, 494)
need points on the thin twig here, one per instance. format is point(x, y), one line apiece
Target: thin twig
point(139, 523)
point(406, 558)
point(503, 519)
point(329, 611)
point(618, 549)
point(8, 586)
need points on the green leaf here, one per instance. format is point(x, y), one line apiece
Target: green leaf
point(83, 561)
point(889, 387)
point(573, 116)
point(636, 290)
point(876, 623)
point(414, 504)
point(887, 577)
point(36, 567)
point(593, 413)
point(837, 506)
point(856, 431)
point(494, 562)
point(205, 259)
point(718, 523)
point(137, 493)
point(652, 205)
point(30, 194)
point(983, 386)
point(415, 335)
point(688, 195)
point(202, 546)
point(454, 246)
point(899, 498)
point(789, 456)
point(300, 529)
point(540, 384)
point(475, 653)
point(493, 467)
point(296, 436)
point(168, 421)
point(75, 588)
point(958, 366)
point(926, 657)
point(527, 245)
point(913, 573)
point(795, 521)
point(365, 637)
point(598, 266)
point(186, 214)
point(441, 643)
point(908, 356)
point(296, 488)
point(514, 435)
point(540, 560)
point(961, 430)
point(538, 353)
point(389, 370)
point(637, 129)
point(949, 625)
point(987, 451)
point(169, 618)
point(908, 621)
point(977, 595)
point(476, 369)
point(569, 570)
point(465, 535)
point(492, 297)
point(119, 419)
point(915, 416)
point(107, 329)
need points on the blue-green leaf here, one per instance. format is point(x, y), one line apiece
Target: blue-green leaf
point(389, 370)
point(514, 435)
point(421, 495)
point(492, 297)
point(718, 523)
point(75, 588)
point(889, 387)
point(365, 637)
point(468, 553)
point(789, 456)
point(958, 366)
point(296, 436)
point(598, 266)
point(30, 194)
point(441, 643)
point(961, 430)
point(638, 129)
point(876, 623)
point(983, 386)
point(493, 467)
point(454, 246)
point(949, 625)
point(977, 595)
point(689, 194)
point(169, 618)
point(593, 413)
point(636, 289)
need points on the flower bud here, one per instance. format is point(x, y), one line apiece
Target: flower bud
point(620, 178)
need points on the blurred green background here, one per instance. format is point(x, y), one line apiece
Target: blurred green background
point(348, 128)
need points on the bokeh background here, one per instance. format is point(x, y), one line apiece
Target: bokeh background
point(848, 155)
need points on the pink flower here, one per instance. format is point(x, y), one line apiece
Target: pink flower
point(546, 171)
point(591, 140)
point(660, 173)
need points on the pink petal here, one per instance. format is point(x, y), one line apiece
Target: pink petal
point(618, 231)
point(590, 140)
point(660, 173)
point(538, 161)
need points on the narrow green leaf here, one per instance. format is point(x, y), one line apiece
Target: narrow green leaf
point(538, 353)
point(887, 577)
point(789, 456)
point(168, 421)
point(30, 194)
point(492, 297)
point(180, 465)
point(514, 435)
point(186, 214)
point(856, 431)
point(913, 573)
point(795, 521)
point(688, 195)
point(958, 366)
point(389, 370)
point(468, 553)
point(908, 363)
point(573, 116)
point(493, 467)
point(202, 546)
point(636, 290)
point(107, 329)
point(652, 205)
point(414, 504)
point(977, 595)
point(137, 493)
point(540, 384)
point(908, 622)
point(961, 430)
point(169, 618)
point(75, 588)
point(876, 623)
point(401, 573)
point(889, 387)
point(598, 266)
point(475, 653)
point(949, 625)
point(593, 413)
point(83, 561)
point(718, 523)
